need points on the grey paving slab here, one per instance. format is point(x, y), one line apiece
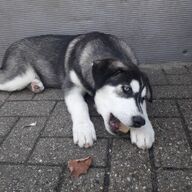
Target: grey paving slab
point(176, 70)
point(1, 103)
point(130, 168)
point(180, 79)
point(21, 140)
point(92, 181)
point(21, 95)
point(60, 150)
point(180, 181)
point(171, 148)
point(28, 178)
point(190, 68)
point(3, 95)
point(27, 108)
point(172, 91)
point(1, 139)
point(50, 94)
point(156, 77)
point(59, 123)
point(6, 123)
point(162, 108)
point(186, 109)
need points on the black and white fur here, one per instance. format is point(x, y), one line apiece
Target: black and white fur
point(95, 63)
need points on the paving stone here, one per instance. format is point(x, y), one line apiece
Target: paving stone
point(59, 123)
point(186, 109)
point(27, 108)
point(50, 94)
point(60, 150)
point(130, 168)
point(3, 95)
point(180, 79)
point(21, 140)
point(171, 148)
point(1, 103)
point(21, 95)
point(28, 178)
point(156, 77)
point(190, 68)
point(6, 123)
point(176, 70)
point(92, 181)
point(180, 181)
point(1, 139)
point(172, 91)
point(162, 108)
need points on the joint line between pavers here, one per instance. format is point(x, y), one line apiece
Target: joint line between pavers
point(174, 169)
point(8, 133)
point(106, 182)
point(153, 170)
point(30, 164)
point(166, 78)
point(184, 125)
point(4, 101)
point(33, 97)
point(188, 70)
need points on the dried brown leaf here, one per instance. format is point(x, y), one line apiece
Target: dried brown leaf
point(78, 167)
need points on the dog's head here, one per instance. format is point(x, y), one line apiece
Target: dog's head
point(121, 94)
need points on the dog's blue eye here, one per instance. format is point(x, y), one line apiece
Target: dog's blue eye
point(127, 89)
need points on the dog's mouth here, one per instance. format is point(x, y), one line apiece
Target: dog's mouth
point(117, 126)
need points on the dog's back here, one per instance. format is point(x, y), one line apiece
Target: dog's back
point(40, 56)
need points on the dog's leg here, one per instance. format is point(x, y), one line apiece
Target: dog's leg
point(83, 129)
point(11, 80)
point(144, 136)
point(36, 86)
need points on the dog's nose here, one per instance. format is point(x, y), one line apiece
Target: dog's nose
point(138, 121)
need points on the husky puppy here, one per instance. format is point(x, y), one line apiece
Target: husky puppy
point(95, 63)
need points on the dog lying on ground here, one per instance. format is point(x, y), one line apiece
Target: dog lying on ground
point(95, 63)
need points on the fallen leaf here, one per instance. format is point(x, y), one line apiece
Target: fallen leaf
point(78, 167)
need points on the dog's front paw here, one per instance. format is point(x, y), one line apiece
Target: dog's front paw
point(84, 134)
point(143, 137)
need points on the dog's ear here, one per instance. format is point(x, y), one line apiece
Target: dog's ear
point(149, 94)
point(104, 69)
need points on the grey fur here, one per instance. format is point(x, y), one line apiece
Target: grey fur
point(53, 56)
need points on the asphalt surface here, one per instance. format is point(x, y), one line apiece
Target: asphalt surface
point(35, 158)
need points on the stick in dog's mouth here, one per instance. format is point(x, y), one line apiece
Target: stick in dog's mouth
point(117, 126)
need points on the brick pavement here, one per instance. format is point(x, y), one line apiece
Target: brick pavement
point(35, 158)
